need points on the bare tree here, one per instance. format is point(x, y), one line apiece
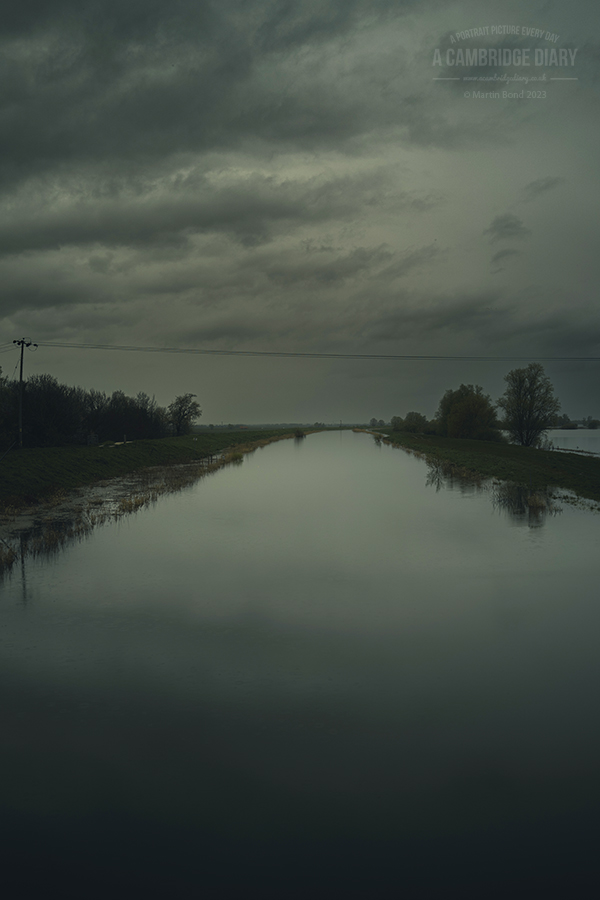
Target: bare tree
point(183, 412)
point(529, 404)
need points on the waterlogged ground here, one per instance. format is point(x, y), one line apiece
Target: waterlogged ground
point(326, 669)
point(66, 516)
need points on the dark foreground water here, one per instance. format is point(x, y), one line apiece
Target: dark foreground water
point(313, 674)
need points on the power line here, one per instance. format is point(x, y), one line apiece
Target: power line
point(310, 355)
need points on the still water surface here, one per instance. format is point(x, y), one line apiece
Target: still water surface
point(587, 439)
point(313, 671)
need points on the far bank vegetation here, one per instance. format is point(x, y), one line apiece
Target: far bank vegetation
point(523, 415)
point(57, 415)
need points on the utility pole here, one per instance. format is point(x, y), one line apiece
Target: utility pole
point(24, 342)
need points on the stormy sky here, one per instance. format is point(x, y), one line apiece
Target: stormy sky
point(301, 177)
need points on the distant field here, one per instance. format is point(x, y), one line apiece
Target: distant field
point(523, 465)
point(31, 475)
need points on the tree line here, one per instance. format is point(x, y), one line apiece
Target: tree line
point(55, 414)
point(525, 411)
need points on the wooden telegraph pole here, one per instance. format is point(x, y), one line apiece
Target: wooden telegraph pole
point(24, 342)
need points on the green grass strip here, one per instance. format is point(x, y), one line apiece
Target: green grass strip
point(28, 476)
point(509, 462)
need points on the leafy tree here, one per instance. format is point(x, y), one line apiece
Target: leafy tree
point(53, 412)
point(183, 412)
point(563, 422)
point(56, 414)
point(529, 404)
point(151, 419)
point(118, 420)
point(468, 413)
point(8, 408)
point(414, 422)
point(95, 406)
point(397, 423)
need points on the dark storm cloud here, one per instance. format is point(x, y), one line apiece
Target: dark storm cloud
point(136, 80)
point(273, 175)
point(250, 210)
point(507, 227)
point(540, 186)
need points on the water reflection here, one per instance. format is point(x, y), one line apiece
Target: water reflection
point(445, 475)
point(43, 539)
point(309, 670)
point(46, 537)
point(77, 516)
point(524, 505)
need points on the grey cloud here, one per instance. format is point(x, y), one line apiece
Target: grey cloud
point(493, 319)
point(295, 24)
point(233, 330)
point(410, 260)
point(552, 332)
point(95, 81)
point(252, 174)
point(505, 254)
point(322, 272)
point(573, 338)
point(507, 227)
point(39, 291)
point(118, 89)
point(480, 312)
point(325, 272)
point(533, 190)
point(251, 210)
point(588, 61)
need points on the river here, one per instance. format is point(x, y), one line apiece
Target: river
point(324, 670)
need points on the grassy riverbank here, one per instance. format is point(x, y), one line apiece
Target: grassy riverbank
point(29, 476)
point(523, 465)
